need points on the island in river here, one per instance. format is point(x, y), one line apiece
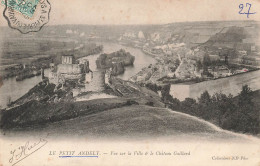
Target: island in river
point(116, 60)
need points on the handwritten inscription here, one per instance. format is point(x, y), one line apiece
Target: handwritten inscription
point(245, 9)
point(25, 150)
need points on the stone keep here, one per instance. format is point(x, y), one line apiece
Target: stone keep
point(97, 82)
point(67, 59)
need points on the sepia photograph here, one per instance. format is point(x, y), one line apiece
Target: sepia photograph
point(120, 82)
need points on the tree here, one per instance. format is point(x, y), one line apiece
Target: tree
point(205, 70)
point(226, 59)
point(189, 106)
point(152, 87)
point(205, 106)
point(206, 60)
point(188, 102)
point(174, 102)
point(245, 96)
point(249, 120)
point(224, 106)
point(205, 98)
point(199, 65)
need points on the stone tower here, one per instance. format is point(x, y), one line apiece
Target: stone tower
point(97, 82)
point(67, 59)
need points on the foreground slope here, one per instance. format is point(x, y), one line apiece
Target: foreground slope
point(134, 122)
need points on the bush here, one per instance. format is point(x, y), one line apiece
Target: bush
point(150, 103)
point(131, 102)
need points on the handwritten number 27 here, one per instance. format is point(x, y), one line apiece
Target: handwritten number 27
point(241, 7)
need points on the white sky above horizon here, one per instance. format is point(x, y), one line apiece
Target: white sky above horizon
point(105, 12)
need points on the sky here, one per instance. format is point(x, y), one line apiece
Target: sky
point(104, 12)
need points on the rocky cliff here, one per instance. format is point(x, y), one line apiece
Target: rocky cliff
point(117, 68)
point(120, 58)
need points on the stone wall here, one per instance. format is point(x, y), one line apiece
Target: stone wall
point(69, 69)
point(53, 78)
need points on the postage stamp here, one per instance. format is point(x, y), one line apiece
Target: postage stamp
point(26, 15)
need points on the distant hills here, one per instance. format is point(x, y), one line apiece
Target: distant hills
point(197, 30)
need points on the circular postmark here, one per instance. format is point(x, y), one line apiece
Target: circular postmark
point(26, 15)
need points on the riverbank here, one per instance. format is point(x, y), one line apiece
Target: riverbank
point(140, 48)
point(149, 53)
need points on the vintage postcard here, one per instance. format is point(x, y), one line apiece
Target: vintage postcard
point(129, 82)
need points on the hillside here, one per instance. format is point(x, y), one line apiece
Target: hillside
point(133, 122)
point(137, 115)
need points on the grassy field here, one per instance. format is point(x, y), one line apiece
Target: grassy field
point(131, 122)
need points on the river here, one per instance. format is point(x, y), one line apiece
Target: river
point(141, 59)
point(12, 90)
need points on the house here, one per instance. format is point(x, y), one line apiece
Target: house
point(242, 52)
point(214, 57)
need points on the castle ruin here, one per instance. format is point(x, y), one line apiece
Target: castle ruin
point(79, 72)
